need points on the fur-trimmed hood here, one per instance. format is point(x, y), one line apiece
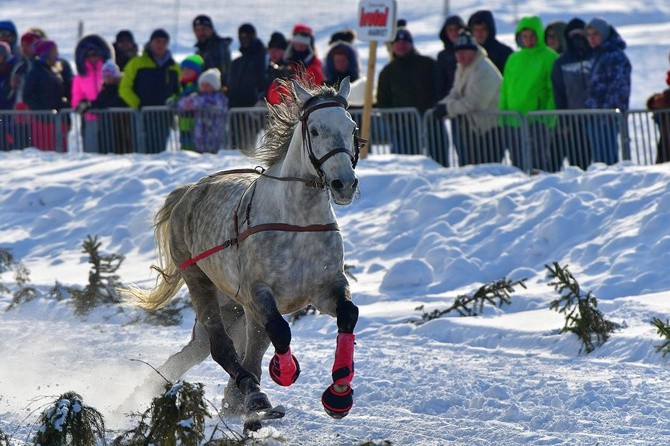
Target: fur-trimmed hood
point(91, 42)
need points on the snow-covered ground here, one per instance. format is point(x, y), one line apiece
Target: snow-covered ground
point(418, 235)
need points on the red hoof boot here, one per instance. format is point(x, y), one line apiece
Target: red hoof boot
point(284, 368)
point(337, 404)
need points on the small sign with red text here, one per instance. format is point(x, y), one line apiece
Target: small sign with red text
point(376, 20)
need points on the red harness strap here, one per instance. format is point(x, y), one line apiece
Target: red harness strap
point(255, 229)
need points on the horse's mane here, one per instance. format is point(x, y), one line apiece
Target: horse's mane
point(282, 119)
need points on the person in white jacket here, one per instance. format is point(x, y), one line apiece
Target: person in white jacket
point(472, 103)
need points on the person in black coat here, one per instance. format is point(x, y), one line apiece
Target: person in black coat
point(483, 27)
point(569, 80)
point(214, 49)
point(246, 86)
point(247, 72)
point(44, 89)
point(125, 48)
point(446, 59)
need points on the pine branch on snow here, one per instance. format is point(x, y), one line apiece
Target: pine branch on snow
point(69, 422)
point(663, 330)
point(582, 316)
point(496, 294)
point(175, 418)
point(102, 283)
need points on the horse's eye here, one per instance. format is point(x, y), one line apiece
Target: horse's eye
point(314, 132)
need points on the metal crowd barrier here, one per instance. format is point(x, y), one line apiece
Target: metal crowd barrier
point(547, 140)
point(538, 141)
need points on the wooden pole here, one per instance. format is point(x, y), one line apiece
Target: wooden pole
point(369, 87)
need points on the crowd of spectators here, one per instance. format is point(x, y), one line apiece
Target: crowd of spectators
point(574, 65)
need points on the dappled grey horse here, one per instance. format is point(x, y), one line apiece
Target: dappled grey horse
point(253, 244)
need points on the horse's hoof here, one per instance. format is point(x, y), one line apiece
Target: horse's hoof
point(256, 401)
point(290, 372)
point(338, 402)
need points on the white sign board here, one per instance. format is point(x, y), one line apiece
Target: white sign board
point(376, 20)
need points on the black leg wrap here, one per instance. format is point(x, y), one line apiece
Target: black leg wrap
point(279, 333)
point(347, 316)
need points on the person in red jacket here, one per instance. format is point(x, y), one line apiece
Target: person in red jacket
point(301, 58)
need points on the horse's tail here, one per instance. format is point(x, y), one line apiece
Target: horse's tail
point(169, 280)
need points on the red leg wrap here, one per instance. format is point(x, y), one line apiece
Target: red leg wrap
point(343, 368)
point(284, 368)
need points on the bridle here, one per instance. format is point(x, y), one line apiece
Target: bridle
point(307, 109)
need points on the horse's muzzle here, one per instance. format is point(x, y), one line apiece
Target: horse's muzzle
point(343, 191)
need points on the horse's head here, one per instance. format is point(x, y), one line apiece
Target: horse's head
point(329, 135)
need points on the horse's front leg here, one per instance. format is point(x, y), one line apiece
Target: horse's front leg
point(284, 367)
point(338, 398)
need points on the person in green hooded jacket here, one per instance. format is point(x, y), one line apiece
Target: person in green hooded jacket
point(526, 86)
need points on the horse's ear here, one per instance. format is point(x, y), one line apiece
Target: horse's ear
point(303, 95)
point(345, 87)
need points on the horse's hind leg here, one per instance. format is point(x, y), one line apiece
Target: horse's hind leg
point(204, 298)
point(193, 353)
point(338, 399)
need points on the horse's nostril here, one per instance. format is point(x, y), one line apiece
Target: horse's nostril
point(336, 184)
point(355, 184)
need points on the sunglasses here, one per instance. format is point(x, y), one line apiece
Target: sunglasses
point(5, 33)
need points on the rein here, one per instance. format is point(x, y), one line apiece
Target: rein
point(317, 183)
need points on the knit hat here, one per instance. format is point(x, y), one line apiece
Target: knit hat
point(403, 34)
point(212, 77)
point(159, 33)
point(347, 35)
point(203, 20)
point(195, 62)
point(111, 69)
point(124, 34)
point(465, 41)
point(43, 47)
point(302, 29)
point(247, 28)
point(667, 79)
point(600, 25)
point(29, 38)
point(277, 40)
point(303, 34)
point(5, 50)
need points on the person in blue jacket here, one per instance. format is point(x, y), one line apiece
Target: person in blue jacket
point(608, 87)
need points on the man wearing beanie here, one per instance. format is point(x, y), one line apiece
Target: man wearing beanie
point(569, 78)
point(247, 84)
point(277, 68)
point(476, 88)
point(125, 48)
point(214, 49)
point(151, 79)
point(608, 88)
point(406, 81)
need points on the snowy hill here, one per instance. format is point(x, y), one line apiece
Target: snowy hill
point(419, 235)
